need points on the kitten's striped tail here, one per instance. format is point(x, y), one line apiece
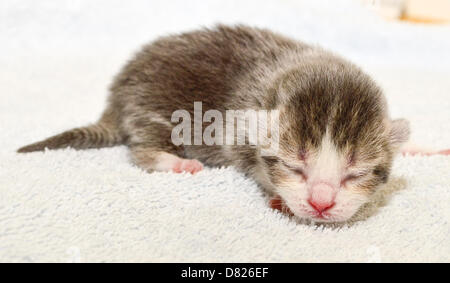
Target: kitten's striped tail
point(102, 134)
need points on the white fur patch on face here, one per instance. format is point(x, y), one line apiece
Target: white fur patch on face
point(323, 188)
point(347, 203)
point(328, 164)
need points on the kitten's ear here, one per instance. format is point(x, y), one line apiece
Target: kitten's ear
point(399, 133)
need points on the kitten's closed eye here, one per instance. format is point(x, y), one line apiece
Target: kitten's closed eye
point(297, 170)
point(352, 177)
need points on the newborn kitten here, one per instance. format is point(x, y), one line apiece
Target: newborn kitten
point(336, 140)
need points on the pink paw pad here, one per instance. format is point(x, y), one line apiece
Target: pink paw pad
point(425, 152)
point(187, 165)
point(415, 153)
point(444, 152)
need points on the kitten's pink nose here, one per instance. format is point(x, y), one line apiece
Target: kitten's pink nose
point(321, 207)
point(322, 197)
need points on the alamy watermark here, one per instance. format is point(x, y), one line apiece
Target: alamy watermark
point(238, 127)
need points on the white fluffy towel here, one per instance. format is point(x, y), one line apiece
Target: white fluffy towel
point(56, 61)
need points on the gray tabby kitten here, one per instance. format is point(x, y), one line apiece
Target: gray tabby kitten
point(336, 140)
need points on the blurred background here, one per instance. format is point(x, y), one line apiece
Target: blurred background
point(371, 29)
point(420, 11)
point(59, 57)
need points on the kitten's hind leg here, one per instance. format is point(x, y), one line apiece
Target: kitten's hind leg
point(152, 148)
point(154, 159)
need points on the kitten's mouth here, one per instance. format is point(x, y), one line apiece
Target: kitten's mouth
point(318, 216)
point(322, 219)
point(278, 204)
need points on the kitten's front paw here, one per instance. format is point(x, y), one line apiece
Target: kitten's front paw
point(424, 152)
point(278, 204)
point(444, 152)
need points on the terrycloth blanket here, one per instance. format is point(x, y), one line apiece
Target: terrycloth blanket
point(56, 61)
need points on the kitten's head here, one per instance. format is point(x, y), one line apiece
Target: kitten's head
point(336, 142)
